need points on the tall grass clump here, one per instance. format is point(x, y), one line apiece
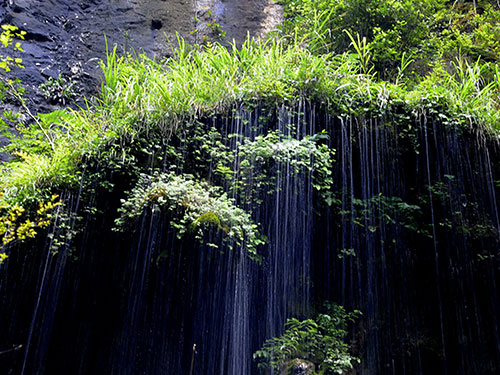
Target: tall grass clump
point(141, 97)
point(462, 96)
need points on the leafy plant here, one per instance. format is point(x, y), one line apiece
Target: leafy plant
point(320, 341)
point(206, 25)
point(144, 104)
point(10, 88)
point(390, 26)
point(260, 158)
point(193, 207)
point(215, 28)
point(378, 209)
point(16, 227)
point(429, 32)
point(9, 33)
point(58, 90)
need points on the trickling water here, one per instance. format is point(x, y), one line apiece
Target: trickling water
point(408, 234)
point(416, 274)
point(434, 242)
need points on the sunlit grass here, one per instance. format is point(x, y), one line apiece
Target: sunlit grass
point(141, 97)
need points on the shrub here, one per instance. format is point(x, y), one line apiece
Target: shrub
point(320, 341)
point(192, 206)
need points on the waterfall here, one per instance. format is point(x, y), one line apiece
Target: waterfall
point(408, 233)
point(416, 214)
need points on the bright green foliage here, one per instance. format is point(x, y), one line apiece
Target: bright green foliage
point(428, 32)
point(193, 206)
point(280, 148)
point(9, 88)
point(333, 53)
point(16, 227)
point(142, 98)
point(320, 341)
point(213, 81)
point(465, 93)
point(144, 104)
point(469, 32)
point(260, 160)
point(46, 158)
point(392, 27)
point(7, 36)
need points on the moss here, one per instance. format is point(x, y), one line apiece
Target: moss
point(298, 366)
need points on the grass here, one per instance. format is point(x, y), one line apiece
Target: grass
point(141, 97)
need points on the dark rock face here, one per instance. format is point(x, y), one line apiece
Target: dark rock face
point(67, 37)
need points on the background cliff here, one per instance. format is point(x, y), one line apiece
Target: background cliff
point(67, 37)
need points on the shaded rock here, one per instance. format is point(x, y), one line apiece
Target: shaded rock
point(298, 367)
point(65, 33)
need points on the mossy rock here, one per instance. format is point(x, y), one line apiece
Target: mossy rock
point(298, 367)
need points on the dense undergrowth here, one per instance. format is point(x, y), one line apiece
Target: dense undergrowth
point(192, 206)
point(143, 100)
point(423, 33)
point(312, 344)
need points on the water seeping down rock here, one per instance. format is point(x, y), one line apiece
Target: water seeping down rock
point(396, 218)
point(403, 226)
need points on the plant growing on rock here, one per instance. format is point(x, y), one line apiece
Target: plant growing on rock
point(9, 33)
point(143, 99)
point(58, 90)
point(261, 159)
point(10, 88)
point(16, 227)
point(193, 207)
point(317, 346)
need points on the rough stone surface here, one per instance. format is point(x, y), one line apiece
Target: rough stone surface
point(298, 367)
point(67, 36)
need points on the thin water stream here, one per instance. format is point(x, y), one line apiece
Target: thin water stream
point(408, 233)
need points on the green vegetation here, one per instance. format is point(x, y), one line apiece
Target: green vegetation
point(260, 159)
point(14, 228)
point(141, 97)
point(11, 228)
point(399, 61)
point(10, 88)
point(387, 210)
point(147, 108)
point(207, 29)
point(7, 37)
point(58, 90)
point(319, 341)
point(192, 205)
point(425, 33)
point(144, 102)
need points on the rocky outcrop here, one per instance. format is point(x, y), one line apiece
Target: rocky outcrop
point(67, 37)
